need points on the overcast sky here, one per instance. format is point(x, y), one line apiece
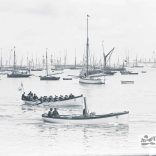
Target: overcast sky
point(60, 25)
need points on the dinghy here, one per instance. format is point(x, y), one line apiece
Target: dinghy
point(127, 82)
point(128, 73)
point(47, 76)
point(67, 78)
point(120, 117)
point(88, 119)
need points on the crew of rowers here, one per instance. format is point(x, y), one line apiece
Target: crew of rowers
point(34, 97)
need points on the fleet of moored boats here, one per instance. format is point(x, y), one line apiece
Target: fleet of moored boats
point(87, 76)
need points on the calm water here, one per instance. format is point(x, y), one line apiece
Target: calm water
point(22, 131)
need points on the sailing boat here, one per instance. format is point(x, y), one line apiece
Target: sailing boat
point(47, 76)
point(88, 79)
point(36, 67)
point(17, 73)
point(136, 64)
point(21, 88)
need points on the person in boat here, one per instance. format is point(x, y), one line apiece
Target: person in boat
point(56, 98)
point(41, 99)
point(61, 98)
point(23, 96)
point(35, 97)
point(50, 113)
point(31, 97)
point(85, 75)
point(55, 113)
point(30, 94)
point(45, 99)
point(85, 114)
point(71, 96)
point(66, 97)
point(49, 98)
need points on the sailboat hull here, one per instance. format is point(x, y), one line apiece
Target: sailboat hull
point(91, 81)
point(49, 78)
point(18, 75)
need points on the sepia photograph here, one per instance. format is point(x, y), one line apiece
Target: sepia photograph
point(77, 77)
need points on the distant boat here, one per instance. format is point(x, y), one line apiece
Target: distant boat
point(36, 69)
point(109, 73)
point(21, 88)
point(133, 73)
point(87, 79)
point(88, 119)
point(154, 64)
point(57, 68)
point(125, 72)
point(67, 78)
point(91, 80)
point(47, 76)
point(143, 71)
point(127, 82)
point(136, 64)
point(16, 73)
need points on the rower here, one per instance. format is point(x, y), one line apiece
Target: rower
point(71, 96)
point(66, 97)
point(30, 93)
point(35, 97)
point(41, 99)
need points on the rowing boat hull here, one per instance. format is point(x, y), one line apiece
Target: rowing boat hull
point(67, 78)
point(71, 102)
point(127, 82)
point(121, 117)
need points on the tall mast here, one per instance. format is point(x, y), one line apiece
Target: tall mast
point(104, 57)
point(14, 59)
point(51, 60)
point(87, 46)
point(10, 57)
point(46, 63)
point(43, 61)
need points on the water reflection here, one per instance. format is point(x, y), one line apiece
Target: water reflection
point(84, 137)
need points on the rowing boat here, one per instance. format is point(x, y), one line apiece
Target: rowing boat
point(127, 82)
point(76, 100)
point(67, 78)
point(119, 117)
